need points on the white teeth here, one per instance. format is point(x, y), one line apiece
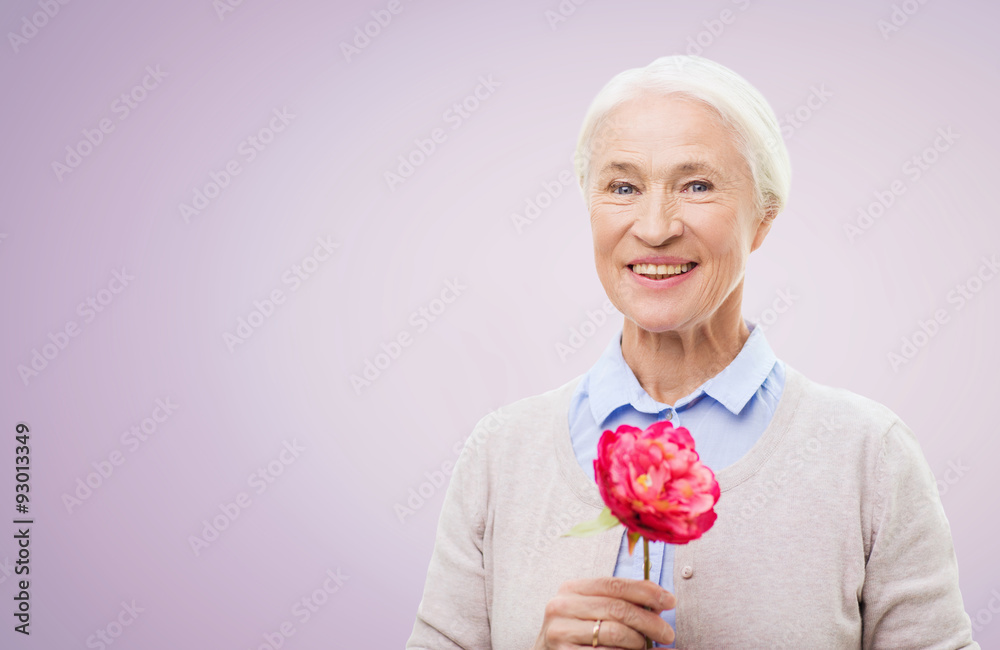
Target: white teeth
point(661, 269)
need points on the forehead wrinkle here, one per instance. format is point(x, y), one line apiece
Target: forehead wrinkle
point(682, 167)
point(619, 166)
point(698, 166)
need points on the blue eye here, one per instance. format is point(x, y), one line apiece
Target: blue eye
point(699, 184)
point(622, 186)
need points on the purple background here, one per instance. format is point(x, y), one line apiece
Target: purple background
point(866, 103)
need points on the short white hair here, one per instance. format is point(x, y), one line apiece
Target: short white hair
point(741, 107)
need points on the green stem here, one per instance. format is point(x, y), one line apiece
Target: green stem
point(645, 559)
point(645, 575)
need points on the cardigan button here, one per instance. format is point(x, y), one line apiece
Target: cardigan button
point(687, 572)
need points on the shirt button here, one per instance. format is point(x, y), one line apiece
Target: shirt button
point(687, 572)
point(669, 415)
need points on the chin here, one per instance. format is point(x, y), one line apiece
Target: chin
point(653, 320)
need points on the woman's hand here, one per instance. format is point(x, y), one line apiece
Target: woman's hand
point(618, 603)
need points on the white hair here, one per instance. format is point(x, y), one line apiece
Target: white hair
point(741, 107)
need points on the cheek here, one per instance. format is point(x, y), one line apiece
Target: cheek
point(718, 229)
point(609, 223)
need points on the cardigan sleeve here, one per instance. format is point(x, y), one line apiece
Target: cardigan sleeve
point(453, 612)
point(910, 597)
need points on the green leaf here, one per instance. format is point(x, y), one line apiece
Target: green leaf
point(605, 521)
point(632, 539)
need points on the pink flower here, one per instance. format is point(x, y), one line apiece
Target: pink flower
point(654, 483)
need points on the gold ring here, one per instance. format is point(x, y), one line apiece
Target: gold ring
point(597, 630)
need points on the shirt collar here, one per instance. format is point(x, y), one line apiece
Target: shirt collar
point(612, 384)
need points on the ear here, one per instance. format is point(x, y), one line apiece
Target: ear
point(764, 225)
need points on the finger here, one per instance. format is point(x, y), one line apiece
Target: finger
point(644, 593)
point(626, 621)
point(611, 635)
point(616, 635)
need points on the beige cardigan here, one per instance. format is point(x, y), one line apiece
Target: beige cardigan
point(830, 534)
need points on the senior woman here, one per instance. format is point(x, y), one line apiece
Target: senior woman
point(830, 532)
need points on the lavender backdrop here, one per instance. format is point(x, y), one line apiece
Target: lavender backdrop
point(202, 242)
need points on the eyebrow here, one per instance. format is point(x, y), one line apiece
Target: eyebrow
point(697, 167)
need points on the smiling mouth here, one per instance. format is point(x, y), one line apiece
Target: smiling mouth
point(661, 271)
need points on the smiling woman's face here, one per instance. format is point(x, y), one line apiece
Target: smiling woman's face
point(668, 186)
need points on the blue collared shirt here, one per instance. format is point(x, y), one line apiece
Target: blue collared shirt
point(725, 415)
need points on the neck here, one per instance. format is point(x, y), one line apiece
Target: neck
point(670, 365)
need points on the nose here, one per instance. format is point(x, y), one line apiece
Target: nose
point(658, 221)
